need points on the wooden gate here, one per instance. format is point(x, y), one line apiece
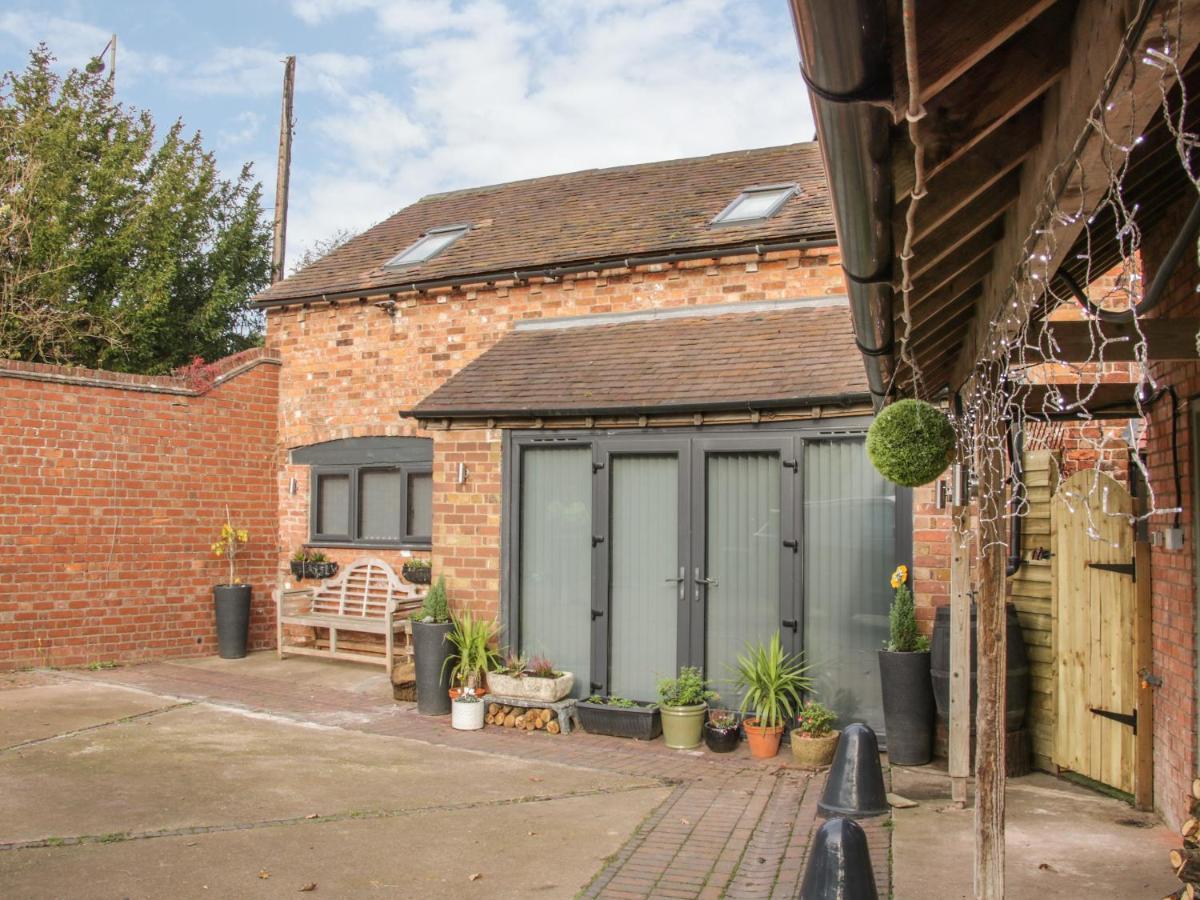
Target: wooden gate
point(1095, 625)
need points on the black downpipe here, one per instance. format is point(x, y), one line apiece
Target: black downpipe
point(1016, 447)
point(845, 61)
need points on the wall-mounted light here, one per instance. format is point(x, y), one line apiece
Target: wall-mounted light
point(293, 486)
point(462, 473)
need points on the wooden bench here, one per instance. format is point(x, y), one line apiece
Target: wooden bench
point(365, 597)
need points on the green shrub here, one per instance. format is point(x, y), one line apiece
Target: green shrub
point(902, 619)
point(689, 689)
point(771, 682)
point(473, 655)
point(815, 719)
point(435, 608)
point(910, 442)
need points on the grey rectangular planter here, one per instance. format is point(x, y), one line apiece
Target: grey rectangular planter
point(641, 722)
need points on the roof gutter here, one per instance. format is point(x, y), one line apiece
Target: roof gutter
point(840, 400)
point(844, 60)
point(614, 262)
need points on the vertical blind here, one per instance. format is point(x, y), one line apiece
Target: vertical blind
point(850, 551)
point(742, 556)
point(379, 504)
point(644, 605)
point(333, 504)
point(555, 576)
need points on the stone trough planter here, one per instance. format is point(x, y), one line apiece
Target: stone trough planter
point(529, 687)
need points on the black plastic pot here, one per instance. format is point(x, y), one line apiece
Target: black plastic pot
point(642, 722)
point(417, 574)
point(431, 647)
point(721, 740)
point(232, 603)
point(907, 707)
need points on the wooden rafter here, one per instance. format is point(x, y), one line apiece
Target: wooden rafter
point(934, 305)
point(983, 214)
point(1165, 339)
point(970, 251)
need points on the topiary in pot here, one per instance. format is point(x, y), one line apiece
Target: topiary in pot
point(910, 442)
point(905, 680)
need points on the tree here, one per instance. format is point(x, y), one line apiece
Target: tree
point(322, 247)
point(118, 252)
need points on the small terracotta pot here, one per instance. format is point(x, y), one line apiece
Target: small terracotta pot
point(814, 752)
point(764, 742)
point(455, 693)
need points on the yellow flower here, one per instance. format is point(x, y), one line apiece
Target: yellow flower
point(899, 577)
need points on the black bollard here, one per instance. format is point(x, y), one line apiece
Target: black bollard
point(839, 864)
point(855, 784)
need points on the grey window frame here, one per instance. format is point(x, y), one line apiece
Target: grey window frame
point(790, 190)
point(604, 442)
point(394, 263)
point(405, 541)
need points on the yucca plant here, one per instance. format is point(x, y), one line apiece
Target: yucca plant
point(771, 682)
point(473, 655)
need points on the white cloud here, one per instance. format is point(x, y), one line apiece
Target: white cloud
point(74, 43)
point(242, 130)
point(258, 71)
point(478, 92)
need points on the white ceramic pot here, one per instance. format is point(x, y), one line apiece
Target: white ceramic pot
point(467, 715)
point(527, 687)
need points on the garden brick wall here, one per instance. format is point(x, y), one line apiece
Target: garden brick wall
point(350, 368)
point(114, 487)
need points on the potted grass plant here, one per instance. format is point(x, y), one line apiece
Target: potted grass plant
point(722, 731)
point(814, 739)
point(771, 683)
point(683, 702)
point(472, 654)
point(232, 599)
point(905, 679)
point(431, 648)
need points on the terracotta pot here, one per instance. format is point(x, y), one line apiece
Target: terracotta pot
point(764, 742)
point(455, 693)
point(814, 752)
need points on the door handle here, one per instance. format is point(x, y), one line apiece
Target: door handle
point(679, 581)
point(711, 582)
point(792, 624)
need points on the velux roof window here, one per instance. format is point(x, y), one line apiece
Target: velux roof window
point(755, 204)
point(429, 245)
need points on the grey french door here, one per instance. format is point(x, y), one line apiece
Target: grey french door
point(634, 554)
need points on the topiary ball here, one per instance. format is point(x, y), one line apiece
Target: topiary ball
point(910, 442)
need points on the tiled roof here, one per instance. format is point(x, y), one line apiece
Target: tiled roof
point(796, 355)
point(597, 214)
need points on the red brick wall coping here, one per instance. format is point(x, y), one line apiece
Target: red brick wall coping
point(222, 370)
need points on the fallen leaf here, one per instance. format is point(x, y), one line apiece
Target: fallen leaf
point(313, 816)
point(1046, 867)
point(475, 876)
point(264, 874)
point(685, 821)
point(532, 833)
point(536, 778)
point(311, 886)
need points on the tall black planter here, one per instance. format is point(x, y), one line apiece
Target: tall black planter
point(907, 707)
point(233, 619)
point(431, 647)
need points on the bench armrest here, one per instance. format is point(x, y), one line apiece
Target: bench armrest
point(294, 601)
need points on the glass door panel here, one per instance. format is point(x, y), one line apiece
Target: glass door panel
point(556, 551)
point(741, 570)
point(644, 564)
point(850, 551)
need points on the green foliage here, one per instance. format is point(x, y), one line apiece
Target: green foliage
point(902, 618)
point(435, 608)
point(473, 655)
point(541, 667)
point(771, 682)
point(722, 718)
point(619, 702)
point(305, 555)
point(910, 442)
point(417, 563)
point(119, 248)
point(815, 719)
point(689, 689)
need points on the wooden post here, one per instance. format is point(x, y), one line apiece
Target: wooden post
point(990, 669)
point(1143, 776)
point(112, 62)
point(960, 644)
point(284, 170)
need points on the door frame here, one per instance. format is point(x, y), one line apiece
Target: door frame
point(800, 432)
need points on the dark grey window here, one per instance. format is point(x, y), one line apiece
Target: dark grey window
point(755, 204)
point(371, 491)
point(429, 245)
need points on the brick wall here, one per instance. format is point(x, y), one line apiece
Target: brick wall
point(350, 368)
point(114, 487)
point(1174, 628)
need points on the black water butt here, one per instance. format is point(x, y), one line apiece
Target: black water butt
point(839, 864)
point(855, 784)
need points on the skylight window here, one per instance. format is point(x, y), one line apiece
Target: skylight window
point(755, 204)
point(429, 245)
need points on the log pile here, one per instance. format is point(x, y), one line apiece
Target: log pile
point(1185, 861)
point(523, 719)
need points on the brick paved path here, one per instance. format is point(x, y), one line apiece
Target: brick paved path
point(732, 827)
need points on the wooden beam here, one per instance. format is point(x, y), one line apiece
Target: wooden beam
point(932, 306)
point(987, 96)
point(1072, 163)
point(984, 213)
point(952, 37)
point(1167, 340)
point(1113, 400)
point(1143, 776)
point(960, 645)
point(970, 251)
point(961, 183)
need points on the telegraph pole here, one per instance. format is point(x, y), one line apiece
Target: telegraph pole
point(284, 170)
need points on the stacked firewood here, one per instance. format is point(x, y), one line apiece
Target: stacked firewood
point(1186, 860)
point(524, 719)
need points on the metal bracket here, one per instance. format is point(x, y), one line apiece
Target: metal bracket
point(792, 464)
point(597, 539)
point(1120, 568)
point(794, 546)
point(1129, 719)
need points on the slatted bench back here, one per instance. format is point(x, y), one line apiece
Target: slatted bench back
point(362, 589)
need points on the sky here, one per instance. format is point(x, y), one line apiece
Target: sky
point(396, 99)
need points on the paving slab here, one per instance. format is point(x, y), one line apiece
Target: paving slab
point(426, 854)
point(36, 711)
point(201, 765)
point(310, 672)
point(1062, 840)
